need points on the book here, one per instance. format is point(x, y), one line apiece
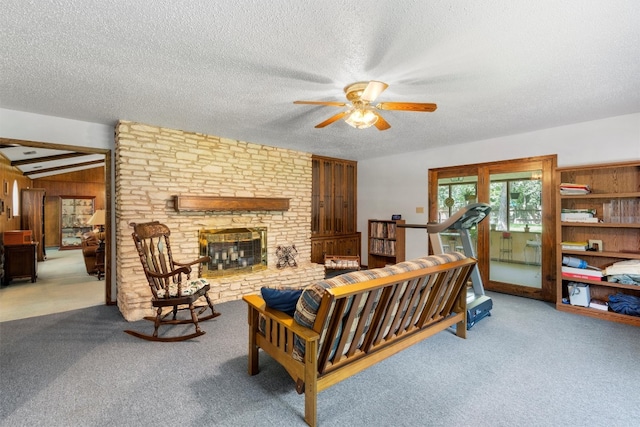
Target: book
point(583, 272)
point(579, 219)
point(578, 211)
point(578, 215)
point(599, 305)
point(573, 185)
point(575, 215)
point(574, 189)
point(575, 246)
point(572, 276)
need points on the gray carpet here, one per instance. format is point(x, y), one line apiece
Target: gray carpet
point(526, 365)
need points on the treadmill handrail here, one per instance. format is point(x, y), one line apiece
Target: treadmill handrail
point(466, 217)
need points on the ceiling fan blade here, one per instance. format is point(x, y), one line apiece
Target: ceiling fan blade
point(332, 119)
point(331, 104)
point(381, 123)
point(373, 90)
point(407, 106)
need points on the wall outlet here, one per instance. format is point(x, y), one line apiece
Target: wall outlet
point(419, 209)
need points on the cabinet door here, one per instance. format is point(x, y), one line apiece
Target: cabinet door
point(339, 198)
point(32, 217)
point(350, 202)
point(75, 211)
point(328, 247)
point(344, 206)
point(52, 228)
point(322, 197)
point(349, 245)
point(317, 251)
point(316, 188)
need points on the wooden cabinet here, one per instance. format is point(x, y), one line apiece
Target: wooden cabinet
point(333, 208)
point(386, 242)
point(32, 217)
point(617, 183)
point(20, 261)
point(75, 211)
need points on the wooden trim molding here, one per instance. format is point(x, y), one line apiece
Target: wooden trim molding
point(226, 204)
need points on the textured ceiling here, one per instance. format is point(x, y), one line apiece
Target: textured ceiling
point(233, 68)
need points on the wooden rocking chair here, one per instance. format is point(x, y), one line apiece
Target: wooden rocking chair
point(170, 282)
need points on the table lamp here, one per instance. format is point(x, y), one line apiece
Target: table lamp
point(98, 219)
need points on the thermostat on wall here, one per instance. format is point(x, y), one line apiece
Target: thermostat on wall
point(396, 217)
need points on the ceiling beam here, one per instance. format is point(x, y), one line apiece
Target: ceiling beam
point(47, 158)
point(59, 168)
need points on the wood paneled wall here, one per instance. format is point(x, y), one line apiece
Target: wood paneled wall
point(88, 182)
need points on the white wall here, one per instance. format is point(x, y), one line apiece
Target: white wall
point(55, 130)
point(404, 187)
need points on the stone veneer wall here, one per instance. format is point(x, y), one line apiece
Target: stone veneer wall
point(153, 164)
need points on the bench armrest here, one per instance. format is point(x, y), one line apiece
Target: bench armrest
point(257, 303)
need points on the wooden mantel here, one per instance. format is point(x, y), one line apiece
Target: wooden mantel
point(211, 203)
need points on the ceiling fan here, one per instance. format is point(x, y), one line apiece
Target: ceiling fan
point(360, 112)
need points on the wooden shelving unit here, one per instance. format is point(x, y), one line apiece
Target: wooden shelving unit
point(386, 242)
point(621, 240)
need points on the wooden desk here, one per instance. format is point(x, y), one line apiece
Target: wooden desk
point(20, 261)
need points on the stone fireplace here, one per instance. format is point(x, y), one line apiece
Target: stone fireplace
point(155, 164)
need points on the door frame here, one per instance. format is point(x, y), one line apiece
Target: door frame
point(110, 289)
point(547, 164)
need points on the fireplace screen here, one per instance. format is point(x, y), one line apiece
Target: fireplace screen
point(233, 251)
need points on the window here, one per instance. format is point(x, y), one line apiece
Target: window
point(16, 199)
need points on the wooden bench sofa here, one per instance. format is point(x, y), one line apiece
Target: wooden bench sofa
point(384, 311)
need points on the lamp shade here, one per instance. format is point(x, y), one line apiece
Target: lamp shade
point(98, 218)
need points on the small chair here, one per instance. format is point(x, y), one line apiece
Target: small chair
point(506, 247)
point(170, 282)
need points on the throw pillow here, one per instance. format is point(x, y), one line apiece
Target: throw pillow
point(284, 300)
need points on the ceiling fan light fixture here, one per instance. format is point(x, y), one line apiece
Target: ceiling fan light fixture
point(361, 118)
point(361, 113)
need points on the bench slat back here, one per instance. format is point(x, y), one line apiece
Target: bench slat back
point(362, 318)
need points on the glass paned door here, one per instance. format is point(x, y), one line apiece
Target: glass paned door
point(515, 246)
point(515, 236)
point(453, 194)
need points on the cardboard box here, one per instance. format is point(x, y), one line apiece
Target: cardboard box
point(17, 237)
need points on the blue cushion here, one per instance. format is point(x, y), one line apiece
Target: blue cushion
point(284, 300)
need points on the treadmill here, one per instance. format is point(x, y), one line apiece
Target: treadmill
point(478, 304)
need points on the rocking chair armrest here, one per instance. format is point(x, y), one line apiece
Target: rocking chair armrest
point(256, 303)
point(181, 270)
point(200, 260)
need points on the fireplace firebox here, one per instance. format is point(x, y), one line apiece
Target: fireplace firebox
point(233, 251)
